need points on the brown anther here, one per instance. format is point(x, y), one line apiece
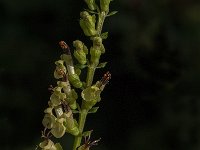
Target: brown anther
point(94, 142)
point(66, 106)
point(63, 45)
point(105, 79)
point(60, 71)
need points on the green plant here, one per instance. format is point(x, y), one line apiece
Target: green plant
point(63, 104)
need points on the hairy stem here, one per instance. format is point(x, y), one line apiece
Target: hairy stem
point(90, 75)
point(102, 16)
point(82, 119)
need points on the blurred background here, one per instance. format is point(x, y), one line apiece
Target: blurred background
point(153, 50)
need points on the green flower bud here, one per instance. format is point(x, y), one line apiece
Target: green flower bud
point(80, 56)
point(97, 41)
point(78, 45)
point(105, 5)
point(48, 121)
point(79, 52)
point(58, 129)
point(96, 50)
point(97, 44)
point(91, 96)
point(95, 56)
point(47, 145)
point(91, 4)
point(75, 80)
point(87, 23)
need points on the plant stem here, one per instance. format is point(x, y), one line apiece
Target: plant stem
point(102, 16)
point(82, 119)
point(90, 75)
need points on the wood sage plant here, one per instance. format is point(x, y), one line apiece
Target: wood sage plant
point(73, 94)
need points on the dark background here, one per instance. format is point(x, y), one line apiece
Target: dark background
point(153, 50)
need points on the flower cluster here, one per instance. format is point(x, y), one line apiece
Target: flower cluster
point(72, 94)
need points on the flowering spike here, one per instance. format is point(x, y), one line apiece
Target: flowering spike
point(59, 117)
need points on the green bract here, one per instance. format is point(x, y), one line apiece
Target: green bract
point(105, 5)
point(87, 23)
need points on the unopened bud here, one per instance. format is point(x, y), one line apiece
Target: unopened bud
point(91, 4)
point(75, 80)
point(80, 52)
point(87, 23)
point(105, 5)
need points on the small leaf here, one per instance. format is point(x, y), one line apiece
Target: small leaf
point(75, 111)
point(102, 65)
point(112, 13)
point(58, 146)
point(91, 11)
point(80, 66)
point(104, 35)
point(93, 110)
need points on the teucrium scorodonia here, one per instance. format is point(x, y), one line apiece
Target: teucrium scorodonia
point(59, 115)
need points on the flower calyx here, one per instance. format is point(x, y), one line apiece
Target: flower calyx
point(88, 23)
point(91, 4)
point(80, 52)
